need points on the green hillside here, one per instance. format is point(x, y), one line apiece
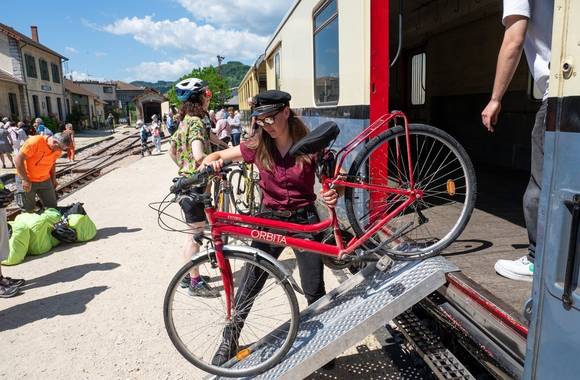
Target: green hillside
point(233, 72)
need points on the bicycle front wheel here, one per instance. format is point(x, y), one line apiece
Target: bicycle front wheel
point(266, 321)
point(440, 168)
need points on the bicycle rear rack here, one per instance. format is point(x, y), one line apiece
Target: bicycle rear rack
point(354, 310)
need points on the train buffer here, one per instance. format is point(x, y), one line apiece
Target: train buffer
point(352, 311)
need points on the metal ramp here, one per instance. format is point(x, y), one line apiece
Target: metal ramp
point(354, 310)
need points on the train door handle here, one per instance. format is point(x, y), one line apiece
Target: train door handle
point(574, 207)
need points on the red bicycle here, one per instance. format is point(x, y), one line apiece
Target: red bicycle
point(409, 193)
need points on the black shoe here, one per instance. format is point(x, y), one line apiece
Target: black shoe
point(8, 291)
point(186, 280)
point(7, 281)
point(227, 349)
point(202, 289)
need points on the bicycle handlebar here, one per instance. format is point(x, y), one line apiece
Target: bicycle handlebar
point(183, 183)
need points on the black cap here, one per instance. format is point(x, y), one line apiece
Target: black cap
point(271, 101)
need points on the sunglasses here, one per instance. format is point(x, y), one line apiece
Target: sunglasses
point(268, 120)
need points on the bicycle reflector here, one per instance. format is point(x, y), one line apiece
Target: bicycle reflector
point(451, 187)
point(243, 354)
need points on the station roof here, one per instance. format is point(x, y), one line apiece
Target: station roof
point(124, 86)
point(74, 88)
point(11, 32)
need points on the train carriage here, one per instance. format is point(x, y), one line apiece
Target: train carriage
point(439, 70)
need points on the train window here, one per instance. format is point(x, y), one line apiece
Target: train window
point(277, 69)
point(418, 64)
point(326, 81)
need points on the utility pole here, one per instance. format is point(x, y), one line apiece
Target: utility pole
point(221, 95)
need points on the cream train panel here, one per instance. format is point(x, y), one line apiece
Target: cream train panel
point(294, 42)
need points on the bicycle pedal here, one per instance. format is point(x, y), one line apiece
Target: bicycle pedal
point(385, 263)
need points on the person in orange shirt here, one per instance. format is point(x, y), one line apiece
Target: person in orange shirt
point(35, 165)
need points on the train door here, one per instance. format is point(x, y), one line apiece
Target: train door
point(554, 339)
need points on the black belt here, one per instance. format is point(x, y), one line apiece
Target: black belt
point(288, 213)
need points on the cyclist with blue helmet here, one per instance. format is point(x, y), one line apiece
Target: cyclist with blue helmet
point(189, 146)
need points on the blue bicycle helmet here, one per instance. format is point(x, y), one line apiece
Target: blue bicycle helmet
point(190, 87)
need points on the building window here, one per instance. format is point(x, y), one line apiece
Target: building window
point(48, 105)
point(59, 108)
point(108, 90)
point(30, 66)
point(326, 82)
point(13, 104)
point(418, 64)
point(277, 69)
point(43, 69)
point(35, 105)
point(55, 73)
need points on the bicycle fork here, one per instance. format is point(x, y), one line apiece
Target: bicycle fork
point(226, 273)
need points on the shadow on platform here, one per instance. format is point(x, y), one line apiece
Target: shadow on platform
point(70, 303)
point(105, 233)
point(67, 274)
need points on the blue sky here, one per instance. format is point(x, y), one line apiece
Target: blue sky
point(148, 39)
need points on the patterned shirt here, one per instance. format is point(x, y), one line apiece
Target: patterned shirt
point(190, 129)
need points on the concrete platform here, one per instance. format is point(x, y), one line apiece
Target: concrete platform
point(94, 310)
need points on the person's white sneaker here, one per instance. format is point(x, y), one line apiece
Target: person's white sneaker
point(521, 269)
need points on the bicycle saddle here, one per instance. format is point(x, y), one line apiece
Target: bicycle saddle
point(316, 140)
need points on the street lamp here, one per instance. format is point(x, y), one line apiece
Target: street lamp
point(220, 59)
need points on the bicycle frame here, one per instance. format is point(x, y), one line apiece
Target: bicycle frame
point(243, 226)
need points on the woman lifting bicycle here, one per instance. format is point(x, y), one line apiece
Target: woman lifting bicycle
point(287, 185)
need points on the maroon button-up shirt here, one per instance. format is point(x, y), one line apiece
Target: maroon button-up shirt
point(287, 186)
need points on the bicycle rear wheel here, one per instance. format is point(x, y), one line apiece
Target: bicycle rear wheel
point(441, 169)
point(196, 324)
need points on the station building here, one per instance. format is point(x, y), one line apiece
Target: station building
point(31, 77)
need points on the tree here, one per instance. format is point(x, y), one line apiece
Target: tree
point(218, 86)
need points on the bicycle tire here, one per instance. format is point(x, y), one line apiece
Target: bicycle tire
point(236, 178)
point(203, 322)
point(411, 248)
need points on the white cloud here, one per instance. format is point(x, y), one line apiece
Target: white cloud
point(258, 16)
point(201, 40)
point(154, 71)
point(76, 75)
point(71, 50)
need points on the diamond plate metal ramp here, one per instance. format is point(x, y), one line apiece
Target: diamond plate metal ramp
point(354, 310)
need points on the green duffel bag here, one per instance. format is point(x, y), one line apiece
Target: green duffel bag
point(83, 225)
point(40, 238)
point(52, 216)
point(18, 244)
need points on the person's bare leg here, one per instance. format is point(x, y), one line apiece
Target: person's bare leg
point(10, 158)
point(2, 159)
point(190, 247)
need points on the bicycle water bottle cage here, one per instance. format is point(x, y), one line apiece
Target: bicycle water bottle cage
point(317, 140)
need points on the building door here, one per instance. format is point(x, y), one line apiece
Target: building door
point(13, 106)
point(554, 339)
point(35, 105)
point(150, 109)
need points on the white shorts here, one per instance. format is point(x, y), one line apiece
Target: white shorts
point(4, 247)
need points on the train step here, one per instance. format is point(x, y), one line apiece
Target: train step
point(354, 310)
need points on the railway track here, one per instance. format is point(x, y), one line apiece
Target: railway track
point(89, 165)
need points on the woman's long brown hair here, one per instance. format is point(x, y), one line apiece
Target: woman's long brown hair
point(265, 146)
point(192, 107)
